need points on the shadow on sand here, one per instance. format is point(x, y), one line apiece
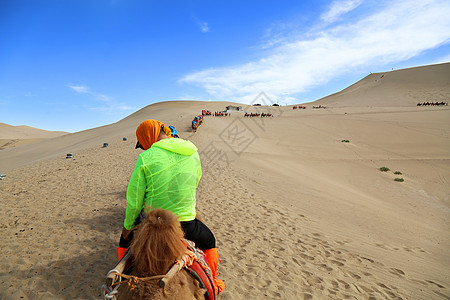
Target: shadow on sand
point(75, 276)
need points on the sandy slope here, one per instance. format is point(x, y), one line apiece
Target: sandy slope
point(14, 136)
point(297, 213)
point(404, 87)
point(299, 164)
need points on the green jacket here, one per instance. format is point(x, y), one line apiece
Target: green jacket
point(165, 176)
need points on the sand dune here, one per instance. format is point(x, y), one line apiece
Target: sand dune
point(297, 213)
point(14, 136)
point(404, 87)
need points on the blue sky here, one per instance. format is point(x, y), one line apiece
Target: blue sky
point(77, 64)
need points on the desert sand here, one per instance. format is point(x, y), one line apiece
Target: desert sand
point(13, 136)
point(297, 213)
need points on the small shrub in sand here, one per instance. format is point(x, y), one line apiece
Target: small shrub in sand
point(345, 141)
point(399, 179)
point(384, 169)
point(398, 173)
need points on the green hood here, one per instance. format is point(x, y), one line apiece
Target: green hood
point(176, 145)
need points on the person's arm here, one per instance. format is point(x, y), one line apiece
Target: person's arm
point(135, 196)
point(126, 233)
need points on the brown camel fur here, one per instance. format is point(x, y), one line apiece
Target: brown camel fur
point(156, 245)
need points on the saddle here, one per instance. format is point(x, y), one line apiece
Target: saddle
point(200, 270)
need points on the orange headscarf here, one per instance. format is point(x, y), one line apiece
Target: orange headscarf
point(147, 132)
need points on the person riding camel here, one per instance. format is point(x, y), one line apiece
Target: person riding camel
point(166, 176)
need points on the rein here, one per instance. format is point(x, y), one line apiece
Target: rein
point(133, 281)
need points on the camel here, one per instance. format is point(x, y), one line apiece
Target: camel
point(432, 103)
point(157, 244)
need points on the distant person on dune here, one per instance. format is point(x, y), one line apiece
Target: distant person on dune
point(166, 176)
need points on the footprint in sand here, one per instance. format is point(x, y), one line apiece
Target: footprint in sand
point(306, 256)
point(396, 271)
point(306, 296)
point(382, 285)
point(436, 284)
point(337, 263)
point(356, 288)
point(324, 266)
point(356, 276)
point(314, 280)
point(371, 260)
point(298, 262)
point(335, 284)
point(346, 285)
point(366, 289)
point(331, 292)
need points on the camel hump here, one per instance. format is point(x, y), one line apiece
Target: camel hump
point(159, 218)
point(160, 213)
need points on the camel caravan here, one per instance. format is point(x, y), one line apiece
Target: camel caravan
point(216, 114)
point(160, 264)
point(433, 104)
point(199, 119)
point(262, 115)
point(299, 107)
point(221, 114)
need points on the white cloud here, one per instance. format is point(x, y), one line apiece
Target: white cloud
point(85, 90)
point(103, 97)
point(204, 27)
point(30, 94)
point(443, 59)
point(399, 30)
point(79, 88)
point(114, 108)
point(339, 8)
point(110, 104)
